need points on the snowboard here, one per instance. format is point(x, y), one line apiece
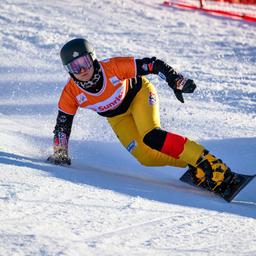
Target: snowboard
point(229, 191)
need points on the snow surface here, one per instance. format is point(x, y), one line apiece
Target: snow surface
point(106, 203)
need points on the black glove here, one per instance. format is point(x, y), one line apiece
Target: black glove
point(60, 156)
point(182, 85)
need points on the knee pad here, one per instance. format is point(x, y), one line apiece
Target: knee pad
point(155, 138)
point(166, 142)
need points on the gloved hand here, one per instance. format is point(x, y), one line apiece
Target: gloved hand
point(60, 156)
point(182, 85)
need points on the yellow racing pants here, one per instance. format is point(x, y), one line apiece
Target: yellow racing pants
point(142, 117)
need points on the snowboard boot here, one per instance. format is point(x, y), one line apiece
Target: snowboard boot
point(210, 172)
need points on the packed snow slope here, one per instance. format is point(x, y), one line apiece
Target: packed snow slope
point(106, 203)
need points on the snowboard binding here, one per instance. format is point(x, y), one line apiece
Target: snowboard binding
point(210, 172)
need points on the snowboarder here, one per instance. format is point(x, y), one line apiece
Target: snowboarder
point(116, 88)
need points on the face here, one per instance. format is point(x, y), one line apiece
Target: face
point(85, 74)
point(81, 67)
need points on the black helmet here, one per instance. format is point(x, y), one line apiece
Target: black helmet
point(76, 48)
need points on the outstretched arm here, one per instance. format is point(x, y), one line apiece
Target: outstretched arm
point(60, 141)
point(175, 80)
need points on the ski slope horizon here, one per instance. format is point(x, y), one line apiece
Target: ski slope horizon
point(106, 203)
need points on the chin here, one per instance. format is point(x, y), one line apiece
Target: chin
point(83, 78)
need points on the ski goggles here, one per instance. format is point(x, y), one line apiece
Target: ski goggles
point(75, 66)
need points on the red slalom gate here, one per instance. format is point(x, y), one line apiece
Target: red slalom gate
point(219, 12)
